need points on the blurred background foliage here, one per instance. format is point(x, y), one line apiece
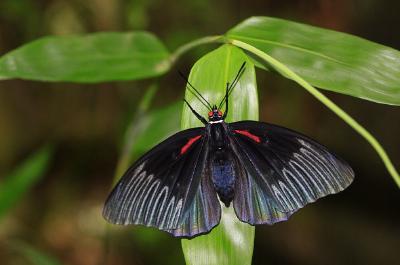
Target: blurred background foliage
point(54, 216)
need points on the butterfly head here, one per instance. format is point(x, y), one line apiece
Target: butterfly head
point(215, 114)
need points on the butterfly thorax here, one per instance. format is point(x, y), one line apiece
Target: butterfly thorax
point(221, 162)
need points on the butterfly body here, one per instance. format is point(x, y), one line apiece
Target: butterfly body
point(222, 162)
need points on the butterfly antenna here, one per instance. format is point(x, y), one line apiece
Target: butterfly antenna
point(233, 84)
point(197, 94)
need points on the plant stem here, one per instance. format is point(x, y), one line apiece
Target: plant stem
point(284, 70)
point(188, 46)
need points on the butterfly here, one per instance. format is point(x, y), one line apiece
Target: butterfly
point(266, 172)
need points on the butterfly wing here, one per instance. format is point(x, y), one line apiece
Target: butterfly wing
point(167, 188)
point(282, 171)
point(203, 215)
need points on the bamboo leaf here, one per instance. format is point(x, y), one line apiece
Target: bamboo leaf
point(88, 58)
point(327, 59)
point(33, 255)
point(157, 125)
point(15, 185)
point(231, 242)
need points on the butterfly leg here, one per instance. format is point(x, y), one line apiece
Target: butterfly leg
point(198, 116)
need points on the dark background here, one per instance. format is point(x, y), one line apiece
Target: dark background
point(61, 215)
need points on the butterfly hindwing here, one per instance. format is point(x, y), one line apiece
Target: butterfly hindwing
point(252, 202)
point(204, 214)
point(162, 187)
point(282, 171)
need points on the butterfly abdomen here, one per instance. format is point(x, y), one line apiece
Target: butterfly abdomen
point(223, 178)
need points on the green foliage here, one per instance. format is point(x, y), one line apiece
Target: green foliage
point(146, 129)
point(308, 55)
point(19, 182)
point(209, 75)
point(327, 59)
point(154, 129)
point(89, 58)
point(33, 255)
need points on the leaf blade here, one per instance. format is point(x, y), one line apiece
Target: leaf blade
point(90, 58)
point(16, 184)
point(231, 242)
point(154, 127)
point(327, 59)
point(33, 255)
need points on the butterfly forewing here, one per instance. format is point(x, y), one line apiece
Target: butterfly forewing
point(161, 188)
point(282, 171)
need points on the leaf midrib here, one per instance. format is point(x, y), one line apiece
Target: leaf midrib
point(290, 47)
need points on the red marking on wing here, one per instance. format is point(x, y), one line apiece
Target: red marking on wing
point(250, 135)
point(189, 143)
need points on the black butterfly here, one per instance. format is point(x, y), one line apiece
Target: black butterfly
point(267, 171)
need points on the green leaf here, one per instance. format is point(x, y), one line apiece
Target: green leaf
point(231, 242)
point(327, 59)
point(33, 255)
point(132, 131)
point(147, 129)
point(156, 126)
point(15, 185)
point(88, 58)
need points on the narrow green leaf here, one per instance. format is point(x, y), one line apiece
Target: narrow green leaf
point(156, 126)
point(88, 58)
point(15, 185)
point(231, 242)
point(327, 59)
point(146, 130)
point(132, 131)
point(33, 255)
